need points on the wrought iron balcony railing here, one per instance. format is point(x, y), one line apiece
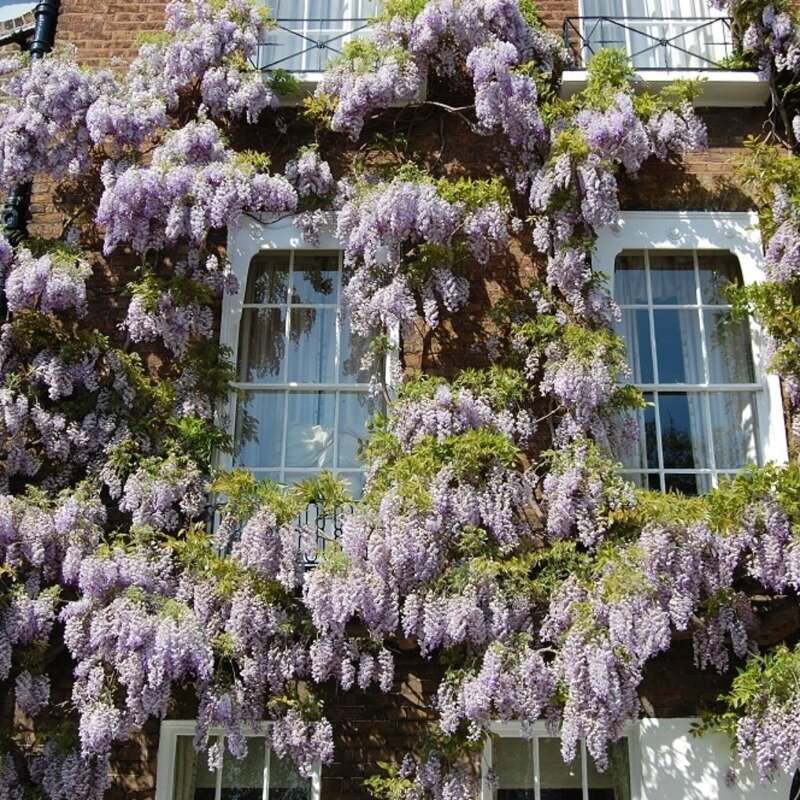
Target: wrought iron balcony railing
point(306, 45)
point(673, 43)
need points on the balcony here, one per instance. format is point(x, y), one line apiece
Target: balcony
point(664, 49)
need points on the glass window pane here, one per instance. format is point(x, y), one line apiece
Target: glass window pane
point(309, 433)
point(634, 329)
point(643, 451)
point(312, 345)
point(316, 278)
point(718, 269)
point(734, 428)
point(558, 781)
point(261, 345)
point(688, 484)
point(679, 350)
point(730, 357)
point(284, 781)
point(672, 277)
point(192, 781)
point(259, 429)
point(615, 782)
point(244, 780)
point(268, 278)
point(512, 761)
point(684, 438)
point(630, 278)
point(354, 413)
point(352, 350)
point(354, 481)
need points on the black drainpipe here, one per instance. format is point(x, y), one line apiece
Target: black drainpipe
point(16, 211)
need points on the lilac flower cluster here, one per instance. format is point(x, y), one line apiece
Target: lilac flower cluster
point(194, 183)
point(54, 282)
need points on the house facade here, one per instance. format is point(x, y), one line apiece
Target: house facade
point(686, 231)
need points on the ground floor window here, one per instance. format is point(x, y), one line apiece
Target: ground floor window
point(183, 773)
point(519, 768)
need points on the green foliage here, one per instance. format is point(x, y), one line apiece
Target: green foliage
point(283, 83)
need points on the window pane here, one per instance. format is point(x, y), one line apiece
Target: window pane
point(309, 433)
point(261, 345)
point(687, 484)
point(312, 345)
point(559, 781)
point(353, 415)
point(730, 358)
point(284, 781)
point(512, 761)
point(678, 347)
point(259, 429)
point(672, 277)
point(733, 426)
point(718, 269)
point(643, 452)
point(630, 279)
point(316, 278)
point(615, 782)
point(244, 780)
point(684, 438)
point(193, 781)
point(268, 278)
point(635, 332)
point(354, 481)
point(352, 349)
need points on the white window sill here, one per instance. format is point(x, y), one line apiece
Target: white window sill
point(720, 88)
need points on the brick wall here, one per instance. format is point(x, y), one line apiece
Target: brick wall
point(369, 726)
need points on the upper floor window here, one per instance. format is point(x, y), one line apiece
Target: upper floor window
point(657, 34)
point(303, 400)
point(532, 769)
point(183, 773)
point(311, 32)
point(711, 410)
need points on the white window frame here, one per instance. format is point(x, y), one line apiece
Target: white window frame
point(513, 730)
point(167, 745)
point(735, 232)
point(250, 237)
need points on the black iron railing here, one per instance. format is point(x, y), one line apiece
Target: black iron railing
point(323, 527)
point(307, 45)
point(695, 43)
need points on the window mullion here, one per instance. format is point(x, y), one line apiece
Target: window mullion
point(537, 780)
point(286, 351)
point(656, 377)
point(584, 772)
point(218, 785)
point(706, 410)
point(265, 790)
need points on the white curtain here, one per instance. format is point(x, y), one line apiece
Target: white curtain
point(185, 769)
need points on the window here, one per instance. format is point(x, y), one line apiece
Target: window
point(183, 773)
point(310, 32)
point(303, 400)
point(532, 769)
point(710, 411)
point(657, 34)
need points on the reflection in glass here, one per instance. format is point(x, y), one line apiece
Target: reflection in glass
point(258, 435)
point(684, 438)
point(679, 349)
point(268, 278)
point(672, 277)
point(635, 332)
point(261, 345)
point(309, 429)
point(315, 278)
point(312, 345)
point(730, 358)
point(558, 781)
point(512, 762)
point(718, 270)
point(615, 782)
point(353, 416)
point(733, 429)
point(630, 278)
point(193, 780)
point(244, 780)
point(285, 782)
